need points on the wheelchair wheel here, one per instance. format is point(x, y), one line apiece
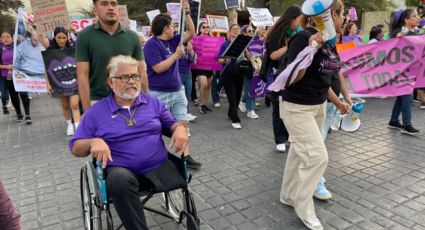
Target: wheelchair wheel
point(91, 213)
point(176, 203)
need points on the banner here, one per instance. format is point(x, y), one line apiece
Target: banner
point(387, 68)
point(28, 66)
point(206, 49)
point(50, 14)
point(61, 71)
point(80, 24)
point(124, 16)
point(174, 10)
point(261, 16)
point(229, 4)
point(152, 14)
point(258, 87)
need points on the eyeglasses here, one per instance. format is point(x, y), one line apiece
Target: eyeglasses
point(205, 27)
point(126, 77)
point(249, 31)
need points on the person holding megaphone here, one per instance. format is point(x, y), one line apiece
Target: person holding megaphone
point(304, 107)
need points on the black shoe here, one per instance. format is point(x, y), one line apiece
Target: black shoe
point(203, 109)
point(207, 109)
point(408, 129)
point(191, 163)
point(19, 118)
point(5, 110)
point(395, 125)
point(28, 120)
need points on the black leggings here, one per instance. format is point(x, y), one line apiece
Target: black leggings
point(233, 84)
point(14, 97)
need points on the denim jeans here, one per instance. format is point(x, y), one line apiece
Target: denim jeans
point(247, 97)
point(176, 102)
point(4, 92)
point(215, 87)
point(186, 80)
point(330, 113)
point(403, 105)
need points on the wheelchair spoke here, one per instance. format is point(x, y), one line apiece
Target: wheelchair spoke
point(86, 200)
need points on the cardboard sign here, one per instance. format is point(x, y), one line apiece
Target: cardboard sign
point(124, 16)
point(152, 14)
point(261, 16)
point(80, 24)
point(237, 47)
point(61, 70)
point(146, 31)
point(195, 12)
point(50, 14)
point(218, 23)
point(206, 49)
point(229, 4)
point(175, 11)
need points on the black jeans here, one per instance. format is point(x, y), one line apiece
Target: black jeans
point(279, 130)
point(14, 97)
point(233, 85)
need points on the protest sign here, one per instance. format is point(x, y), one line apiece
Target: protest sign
point(217, 23)
point(206, 49)
point(80, 24)
point(238, 45)
point(152, 14)
point(387, 68)
point(195, 11)
point(146, 31)
point(50, 14)
point(175, 11)
point(261, 16)
point(28, 66)
point(124, 16)
point(258, 87)
point(61, 71)
point(229, 4)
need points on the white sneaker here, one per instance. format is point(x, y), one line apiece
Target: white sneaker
point(217, 105)
point(242, 107)
point(190, 117)
point(70, 130)
point(281, 148)
point(251, 114)
point(237, 125)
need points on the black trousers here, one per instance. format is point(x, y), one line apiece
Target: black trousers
point(279, 130)
point(233, 85)
point(14, 97)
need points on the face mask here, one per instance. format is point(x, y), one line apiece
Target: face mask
point(298, 29)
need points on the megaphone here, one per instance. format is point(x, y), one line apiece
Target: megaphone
point(351, 122)
point(320, 11)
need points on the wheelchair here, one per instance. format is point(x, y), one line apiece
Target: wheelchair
point(178, 202)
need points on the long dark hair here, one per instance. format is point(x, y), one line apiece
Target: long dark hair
point(283, 24)
point(54, 44)
point(200, 26)
point(347, 28)
point(374, 32)
point(398, 22)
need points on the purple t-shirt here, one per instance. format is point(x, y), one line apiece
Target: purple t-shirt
point(139, 148)
point(6, 58)
point(184, 63)
point(256, 47)
point(156, 51)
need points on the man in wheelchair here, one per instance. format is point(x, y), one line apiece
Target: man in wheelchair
point(124, 132)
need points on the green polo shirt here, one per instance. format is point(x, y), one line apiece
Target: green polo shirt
point(97, 47)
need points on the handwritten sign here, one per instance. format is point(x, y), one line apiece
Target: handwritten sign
point(206, 49)
point(261, 16)
point(229, 4)
point(152, 14)
point(124, 15)
point(50, 14)
point(82, 23)
point(175, 11)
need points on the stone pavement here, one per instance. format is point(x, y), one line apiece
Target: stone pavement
point(376, 175)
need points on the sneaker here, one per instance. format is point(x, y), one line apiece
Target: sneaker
point(257, 104)
point(19, 118)
point(408, 129)
point(196, 102)
point(70, 130)
point(217, 105)
point(321, 192)
point(422, 106)
point(416, 100)
point(242, 107)
point(207, 108)
point(281, 148)
point(251, 114)
point(359, 100)
point(203, 109)
point(191, 163)
point(395, 125)
point(190, 117)
point(237, 125)
point(28, 120)
point(5, 110)
point(222, 93)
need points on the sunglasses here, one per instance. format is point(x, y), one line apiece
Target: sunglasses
point(249, 31)
point(205, 27)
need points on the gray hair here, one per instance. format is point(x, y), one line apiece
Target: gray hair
point(116, 61)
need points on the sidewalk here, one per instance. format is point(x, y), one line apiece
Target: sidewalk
point(376, 175)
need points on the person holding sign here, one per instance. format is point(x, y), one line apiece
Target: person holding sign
point(162, 53)
point(60, 42)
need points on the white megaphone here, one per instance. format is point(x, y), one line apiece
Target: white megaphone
point(320, 11)
point(351, 122)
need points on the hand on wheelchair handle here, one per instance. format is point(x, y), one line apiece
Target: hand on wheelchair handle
point(100, 150)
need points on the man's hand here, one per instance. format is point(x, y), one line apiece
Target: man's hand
point(180, 51)
point(185, 6)
point(179, 139)
point(100, 150)
point(344, 108)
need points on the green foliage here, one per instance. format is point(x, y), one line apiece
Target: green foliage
point(414, 3)
point(7, 22)
point(7, 5)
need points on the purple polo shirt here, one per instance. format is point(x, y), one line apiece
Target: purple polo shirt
point(139, 148)
point(156, 51)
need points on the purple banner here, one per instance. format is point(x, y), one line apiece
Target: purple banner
point(387, 68)
point(206, 49)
